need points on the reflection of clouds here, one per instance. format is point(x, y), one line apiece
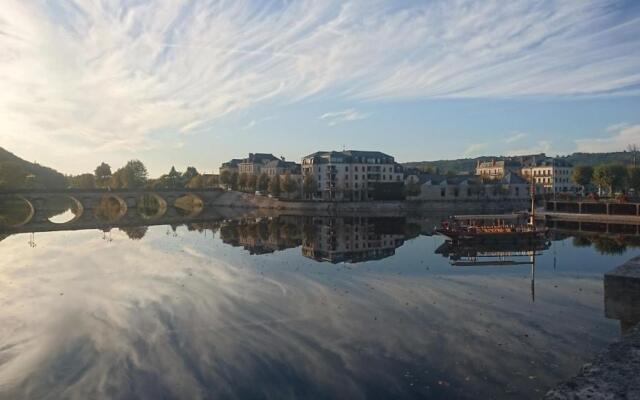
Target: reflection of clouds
point(161, 318)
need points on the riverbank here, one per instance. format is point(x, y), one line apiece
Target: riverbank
point(245, 200)
point(615, 373)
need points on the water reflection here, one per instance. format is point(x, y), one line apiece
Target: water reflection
point(228, 308)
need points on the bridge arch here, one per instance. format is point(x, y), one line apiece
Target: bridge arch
point(189, 205)
point(151, 206)
point(17, 211)
point(111, 208)
point(57, 209)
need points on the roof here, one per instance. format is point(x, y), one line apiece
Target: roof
point(549, 162)
point(348, 156)
point(232, 163)
point(437, 179)
point(281, 164)
point(259, 158)
point(513, 179)
point(498, 164)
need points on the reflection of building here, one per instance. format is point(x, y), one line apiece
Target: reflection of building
point(353, 175)
point(262, 236)
point(352, 239)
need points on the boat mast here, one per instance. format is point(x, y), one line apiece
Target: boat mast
point(533, 194)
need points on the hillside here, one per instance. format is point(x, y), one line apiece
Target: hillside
point(469, 164)
point(14, 169)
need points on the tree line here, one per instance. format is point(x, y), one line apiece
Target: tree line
point(134, 175)
point(612, 177)
point(277, 185)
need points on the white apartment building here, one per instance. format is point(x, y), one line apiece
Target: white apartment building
point(550, 176)
point(352, 175)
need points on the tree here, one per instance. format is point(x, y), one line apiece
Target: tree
point(210, 181)
point(83, 181)
point(136, 174)
point(610, 176)
point(308, 184)
point(263, 182)
point(289, 185)
point(412, 189)
point(252, 181)
point(102, 174)
point(235, 177)
point(189, 173)
point(274, 186)
point(582, 175)
point(197, 182)
point(122, 178)
point(242, 181)
point(633, 178)
point(633, 149)
point(173, 179)
point(134, 232)
point(225, 178)
point(12, 176)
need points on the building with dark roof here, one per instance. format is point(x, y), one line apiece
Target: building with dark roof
point(281, 167)
point(353, 175)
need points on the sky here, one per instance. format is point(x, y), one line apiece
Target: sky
point(199, 82)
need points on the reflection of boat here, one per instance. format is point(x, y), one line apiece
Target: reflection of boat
point(475, 252)
point(507, 227)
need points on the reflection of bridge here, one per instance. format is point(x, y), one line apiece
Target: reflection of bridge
point(171, 206)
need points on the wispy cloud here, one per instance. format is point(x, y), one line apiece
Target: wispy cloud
point(255, 122)
point(620, 137)
point(116, 75)
point(475, 149)
point(542, 146)
point(336, 117)
point(516, 137)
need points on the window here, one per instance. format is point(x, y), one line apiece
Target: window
point(443, 192)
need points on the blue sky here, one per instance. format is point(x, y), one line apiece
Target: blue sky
point(199, 82)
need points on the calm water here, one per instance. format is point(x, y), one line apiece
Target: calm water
point(281, 308)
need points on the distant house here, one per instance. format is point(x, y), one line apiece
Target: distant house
point(497, 169)
point(281, 167)
point(231, 166)
point(550, 176)
point(254, 164)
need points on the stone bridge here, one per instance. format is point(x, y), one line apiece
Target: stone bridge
point(101, 208)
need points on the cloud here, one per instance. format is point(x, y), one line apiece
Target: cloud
point(475, 149)
point(119, 75)
point(621, 136)
point(254, 122)
point(515, 137)
point(542, 146)
point(337, 117)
